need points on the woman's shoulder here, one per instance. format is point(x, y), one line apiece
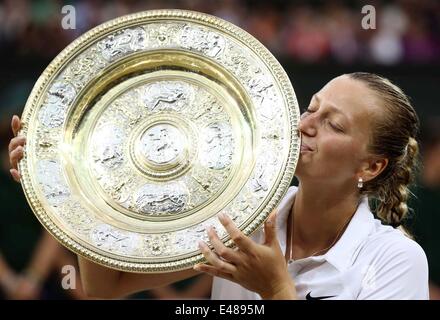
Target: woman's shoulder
point(385, 244)
point(393, 266)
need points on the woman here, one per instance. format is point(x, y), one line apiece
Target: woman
point(322, 242)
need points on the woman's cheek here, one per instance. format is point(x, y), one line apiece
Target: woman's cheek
point(332, 147)
point(337, 150)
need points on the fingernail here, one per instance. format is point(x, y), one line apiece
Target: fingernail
point(201, 244)
point(196, 267)
point(13, 175)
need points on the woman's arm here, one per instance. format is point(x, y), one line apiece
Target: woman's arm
point(43, 258)
point(101, 282)
point(8, 279)
point(30, 282)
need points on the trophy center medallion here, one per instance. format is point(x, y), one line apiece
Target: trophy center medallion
point(161, 148)
point(162, 144)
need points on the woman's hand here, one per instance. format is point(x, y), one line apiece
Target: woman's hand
point(16, 147)
point(257, 267)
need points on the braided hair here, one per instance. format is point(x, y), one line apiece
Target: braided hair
point(393, 137)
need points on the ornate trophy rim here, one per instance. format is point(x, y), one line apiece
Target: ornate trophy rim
point(49, 75)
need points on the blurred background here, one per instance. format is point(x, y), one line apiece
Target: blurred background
point(314, 41)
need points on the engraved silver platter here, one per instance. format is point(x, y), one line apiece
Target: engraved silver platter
point(146, 127)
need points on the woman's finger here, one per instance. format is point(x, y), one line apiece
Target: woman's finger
point(243, 242)
point(221, 249)
point(270, 230)
point(213, 271)
point(15, 142)
point(15, 124)
point(15, 156)
point(215, 261)
point(15, 174)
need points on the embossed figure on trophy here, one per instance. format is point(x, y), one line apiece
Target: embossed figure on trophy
point(121, 191)
point(60, 95)
point(63, 91)
point(158, 244)
point(166, 95)
point(166, 199)
point(51, 181)
point(127, 40)
point(162, 143)
point(259, 182)
point(259, 87)
point(109, 154)
point(218, 146)
point(112, 239)
point(83, 66)
point(108, 146)
point(209, 43)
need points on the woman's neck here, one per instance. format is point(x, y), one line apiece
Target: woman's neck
point(320, 213)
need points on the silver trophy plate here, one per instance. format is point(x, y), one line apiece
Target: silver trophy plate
point(145, 128)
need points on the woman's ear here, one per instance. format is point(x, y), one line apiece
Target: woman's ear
point(373, 168)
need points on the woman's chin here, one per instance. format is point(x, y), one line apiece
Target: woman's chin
point(303, 165)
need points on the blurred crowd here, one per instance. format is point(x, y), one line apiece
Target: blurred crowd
point(306, 32)
point(407, 31)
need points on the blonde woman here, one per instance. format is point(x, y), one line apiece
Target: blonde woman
point(322, 242)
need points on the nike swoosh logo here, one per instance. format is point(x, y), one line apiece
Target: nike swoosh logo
point(309, 297)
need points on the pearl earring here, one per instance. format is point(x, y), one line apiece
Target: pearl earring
point(360, 183)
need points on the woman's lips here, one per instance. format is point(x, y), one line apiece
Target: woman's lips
point(305, 148)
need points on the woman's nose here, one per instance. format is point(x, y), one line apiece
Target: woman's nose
point(307, 125)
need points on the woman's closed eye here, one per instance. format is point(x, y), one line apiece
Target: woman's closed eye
point(334, 126)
